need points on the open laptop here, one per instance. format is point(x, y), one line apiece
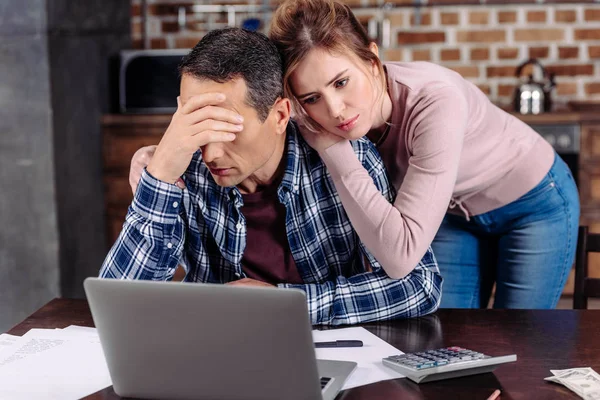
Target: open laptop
point(172, 340)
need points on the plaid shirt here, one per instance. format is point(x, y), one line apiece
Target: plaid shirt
point(202, 228)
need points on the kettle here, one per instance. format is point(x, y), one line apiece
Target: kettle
point(534, 97)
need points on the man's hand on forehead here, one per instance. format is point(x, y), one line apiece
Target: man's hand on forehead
point(211, 106)
point(199, 101)
point(198, 122)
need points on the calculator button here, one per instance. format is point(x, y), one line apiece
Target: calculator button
point(425, 365)
point(423, 360)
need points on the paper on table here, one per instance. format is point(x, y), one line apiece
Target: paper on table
point(7, 340)
point(52, 364)
point(29, 344)
point(80, 329)
point(370, 368)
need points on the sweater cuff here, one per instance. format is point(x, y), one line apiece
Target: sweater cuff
point(340, 159)
point(156, 200)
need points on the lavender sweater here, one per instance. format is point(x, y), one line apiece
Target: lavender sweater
point(449, 150)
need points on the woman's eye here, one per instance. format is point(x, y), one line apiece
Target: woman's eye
point(310, 100)
point(341, 83)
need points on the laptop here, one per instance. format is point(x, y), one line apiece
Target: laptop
point(173, 340)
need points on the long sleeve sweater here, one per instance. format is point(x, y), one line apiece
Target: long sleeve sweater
point(449, 149)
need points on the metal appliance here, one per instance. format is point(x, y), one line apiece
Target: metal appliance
point(565, 139)
point(149, 81)
point(534, 96)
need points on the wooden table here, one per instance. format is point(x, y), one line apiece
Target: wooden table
point(542, 340)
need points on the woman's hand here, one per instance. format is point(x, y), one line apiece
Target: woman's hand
point(320, 141)
point(139, 161)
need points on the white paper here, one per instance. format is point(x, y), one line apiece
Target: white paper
point(7, 340)
point(370, 368)
point(31, 347)
point(53, 364)
point(80, 329)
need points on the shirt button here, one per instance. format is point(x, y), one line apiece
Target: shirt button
point(296, 187)
point(169, 245)
point(239, 226)
point(175, 204)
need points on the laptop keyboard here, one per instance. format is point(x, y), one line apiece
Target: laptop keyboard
point(324, 382)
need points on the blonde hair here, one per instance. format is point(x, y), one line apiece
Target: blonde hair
point(298, 26)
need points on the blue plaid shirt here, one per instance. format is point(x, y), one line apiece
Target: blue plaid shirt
point(202, 228)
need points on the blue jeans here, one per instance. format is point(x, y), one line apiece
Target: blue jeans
point(526, 247)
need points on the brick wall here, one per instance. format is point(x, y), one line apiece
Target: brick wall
point(483, 42)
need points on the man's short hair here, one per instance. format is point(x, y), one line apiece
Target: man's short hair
point(226, 54)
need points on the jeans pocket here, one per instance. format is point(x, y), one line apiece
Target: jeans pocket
point(547, 184)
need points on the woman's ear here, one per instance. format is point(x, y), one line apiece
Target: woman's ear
point(375, 50)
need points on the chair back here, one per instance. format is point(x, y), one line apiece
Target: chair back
point(585, 286)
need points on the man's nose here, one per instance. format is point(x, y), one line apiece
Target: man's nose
point(212, 152)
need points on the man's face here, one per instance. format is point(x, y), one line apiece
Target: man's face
point(251, 156)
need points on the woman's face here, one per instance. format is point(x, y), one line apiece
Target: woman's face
point(338, 92)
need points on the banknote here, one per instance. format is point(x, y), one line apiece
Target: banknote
point(588, 386)
point(585, 382)
point(584, 370)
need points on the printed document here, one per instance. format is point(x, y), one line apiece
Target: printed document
point(370, 368)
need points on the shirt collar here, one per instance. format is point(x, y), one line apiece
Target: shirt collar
point(296, 150)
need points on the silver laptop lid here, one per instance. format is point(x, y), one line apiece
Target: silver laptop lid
point(200, 341)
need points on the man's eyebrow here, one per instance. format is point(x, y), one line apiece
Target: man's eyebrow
point(335, 78)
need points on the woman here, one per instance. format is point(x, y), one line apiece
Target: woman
point(490, 195)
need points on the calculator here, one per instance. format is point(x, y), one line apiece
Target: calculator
point(448, 362)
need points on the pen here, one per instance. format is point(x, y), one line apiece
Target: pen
point(339, 343)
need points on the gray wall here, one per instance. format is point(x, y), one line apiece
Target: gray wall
point(54, 86)
point(29, 273)
point(82, 38)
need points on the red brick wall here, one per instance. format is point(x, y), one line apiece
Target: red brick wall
point(484, 43)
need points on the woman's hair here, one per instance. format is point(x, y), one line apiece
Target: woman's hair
point(298, 26)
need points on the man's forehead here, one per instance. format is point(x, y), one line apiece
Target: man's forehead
point(234, 90)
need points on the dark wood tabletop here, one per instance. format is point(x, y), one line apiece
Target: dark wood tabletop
point(541, 339)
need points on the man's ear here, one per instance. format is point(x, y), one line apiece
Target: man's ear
point(281, 112)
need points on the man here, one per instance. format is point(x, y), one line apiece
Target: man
point(259, 208)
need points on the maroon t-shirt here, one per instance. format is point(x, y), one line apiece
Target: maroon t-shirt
point(267, 256)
